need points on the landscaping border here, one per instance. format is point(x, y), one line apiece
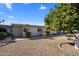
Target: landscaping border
point(60, 47)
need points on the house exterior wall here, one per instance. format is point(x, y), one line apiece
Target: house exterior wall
point(18, 30)
point(34, 31)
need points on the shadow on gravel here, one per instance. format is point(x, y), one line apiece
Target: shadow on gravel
point(51, 37)
point(4, 44)
point(37, 38)
point(72, 44)
point(7, 41)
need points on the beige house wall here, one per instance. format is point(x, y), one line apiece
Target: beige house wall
point(34, 31)
point(18, 29)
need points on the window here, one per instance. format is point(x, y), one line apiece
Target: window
point(26, 30)
point(39, 30)
point(3, 30)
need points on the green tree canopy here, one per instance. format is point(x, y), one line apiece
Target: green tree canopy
point(64, 18)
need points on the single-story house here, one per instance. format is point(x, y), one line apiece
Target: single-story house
point(18, 29)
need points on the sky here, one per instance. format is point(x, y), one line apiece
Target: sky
point(25, 13)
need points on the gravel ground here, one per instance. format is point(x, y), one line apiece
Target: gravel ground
point(37, 47)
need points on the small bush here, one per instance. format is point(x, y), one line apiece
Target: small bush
point(3, 35)
point(28, 34)
point(44, 34)
point(47, 33)
point(9, 34)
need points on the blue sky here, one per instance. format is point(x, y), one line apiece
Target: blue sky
point(25, 13)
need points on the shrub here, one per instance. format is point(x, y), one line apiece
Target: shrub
point(44, 34)
point(3, 35)
point(28, 34)
point(47, 33)
point(9, 34)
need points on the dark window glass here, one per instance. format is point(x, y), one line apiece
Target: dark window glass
point(26, 30)
point(3, 30)
point(39, 30)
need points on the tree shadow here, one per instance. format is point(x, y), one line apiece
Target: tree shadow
point(57, 35)
point(51, 37)
point(40, 37)
point(7, 41)
point(71, 44)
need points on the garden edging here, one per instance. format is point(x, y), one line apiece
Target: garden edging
point(59, 46)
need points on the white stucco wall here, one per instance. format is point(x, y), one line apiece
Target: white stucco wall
point(34, 31)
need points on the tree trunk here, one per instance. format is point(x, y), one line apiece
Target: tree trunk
point(77, 44)
point(76, 40)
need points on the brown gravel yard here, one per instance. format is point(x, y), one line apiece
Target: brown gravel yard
point(37, 47)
